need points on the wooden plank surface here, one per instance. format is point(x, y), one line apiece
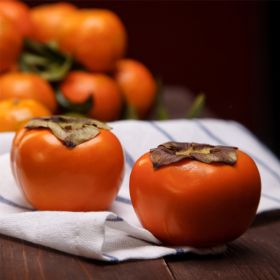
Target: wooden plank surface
point(23, 260)
point(256, 255)
point(19, 260)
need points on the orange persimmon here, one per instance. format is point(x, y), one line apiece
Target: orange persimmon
point(10, 43)
point(194, 203)
point(137, 85)
point(107, 99)
point(48, 18)
point(27, 85)
point(95, 37)
point(19, 13)
point(56, 174)
point(14, 113)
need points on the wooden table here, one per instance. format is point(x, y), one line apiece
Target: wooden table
point(256, 255)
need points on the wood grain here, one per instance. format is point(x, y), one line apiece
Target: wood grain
point(256, 255)
point(23, 260)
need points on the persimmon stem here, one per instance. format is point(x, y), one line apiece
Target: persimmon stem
point(72, 131)
point(171, 152)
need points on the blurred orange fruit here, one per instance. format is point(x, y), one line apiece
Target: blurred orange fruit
point(27, 85)
point(137, 84)
point(96, 38)
point(14, 113)
point(107, 100)
point(47, 20)
point(19, 13)
point(10, 43)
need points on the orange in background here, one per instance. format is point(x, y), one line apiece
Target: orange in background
point(137, 85)
point(27, 85)
point(10, 43)
point(47, 20)
point(107, 100)
point(14, 113)
point(96, 38)
point(19, 13)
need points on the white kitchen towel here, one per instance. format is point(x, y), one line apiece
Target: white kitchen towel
point(117, 235)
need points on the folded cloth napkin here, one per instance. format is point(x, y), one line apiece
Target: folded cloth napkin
point(117, 235)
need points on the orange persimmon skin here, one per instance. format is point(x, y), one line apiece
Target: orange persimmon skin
point(23, 85)
point(10, 43)
point(54, 177)
point(95, 37)
point(14, 113)
point(137, 85)
point(48, 18)
point(193, 203)
point(107, 99)
point(19, 13)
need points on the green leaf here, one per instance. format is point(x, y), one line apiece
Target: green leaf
point(56, 72)
point(130, 113)
point(31, 59)
point(197, 107)
point(45, 60)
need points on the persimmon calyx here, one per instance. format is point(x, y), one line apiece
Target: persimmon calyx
point(72, 131)
point(171, 152)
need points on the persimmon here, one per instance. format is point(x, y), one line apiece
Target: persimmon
point(107, 100)
point(14, 113)
point(67, 164)
point(48, 18)
point(27, 85)
point(19, 13)
point(137, 84)
point(95, 37)
point(10, 43)
point(195, 195)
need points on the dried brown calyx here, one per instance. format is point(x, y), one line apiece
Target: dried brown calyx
point(172, 152)
point(71, 131)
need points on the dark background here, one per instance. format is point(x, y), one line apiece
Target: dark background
point(229, 50)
